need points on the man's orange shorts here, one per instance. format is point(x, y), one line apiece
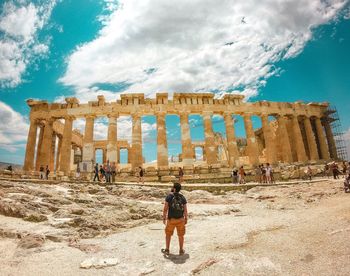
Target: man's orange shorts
point(179, 224)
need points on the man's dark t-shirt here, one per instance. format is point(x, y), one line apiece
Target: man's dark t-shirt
point(169, 198)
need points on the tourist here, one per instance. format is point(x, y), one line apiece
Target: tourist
point(335, 170)
point(268, 173)
point(77, 173)
point(102, 173)
point(258, 176)
point(347, 184)
point(344, 168)
point(140, 175)
point(234, 175)
point(47, 172)
point(41, 172)
point(113, 171)
point(181, 174)
point(263, 174)
point(108, 172)
point(309, 173)
point(175, 216)
point(241, 175)
point(326, 170)
point(96, 173)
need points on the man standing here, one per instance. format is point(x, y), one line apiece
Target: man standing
point(175, 216)
point(41, 170)
point(96, 173)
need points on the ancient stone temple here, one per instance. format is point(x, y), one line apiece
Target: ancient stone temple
point(289, 132)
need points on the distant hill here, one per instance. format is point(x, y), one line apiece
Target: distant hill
point(15, 167)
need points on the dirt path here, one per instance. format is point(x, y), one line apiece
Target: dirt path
point(287, 230)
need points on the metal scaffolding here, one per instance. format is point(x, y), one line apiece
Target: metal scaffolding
point(333, 119)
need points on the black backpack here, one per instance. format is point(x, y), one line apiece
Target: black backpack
point(176, 207)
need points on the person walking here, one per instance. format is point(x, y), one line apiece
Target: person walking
point(309, 172)
point(113, 171)
point(102, 174)
point(344, 168)
point(234, 175)
point(175, 215)
point(241, 174)
point(77, 173)
point(96, 173)
point(141, 173)
point(47, 172)
point(268, 173)
point(108, 172)
point(181, 174)
point(41, 172)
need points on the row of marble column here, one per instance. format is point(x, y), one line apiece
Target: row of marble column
point(43, 152)
point(317, 147)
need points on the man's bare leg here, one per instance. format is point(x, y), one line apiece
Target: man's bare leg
point(181, 242)
point(167, 241)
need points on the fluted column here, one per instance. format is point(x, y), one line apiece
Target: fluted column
point(136, 149)
point(284, 140)
point(298, 140)
point(45, 149)
point(311, 141)
point(66, 145)
point(321, 139)
point(30, 148)
point(187, 154)
point(162, 145)
point(231, 140)
point(88, 146)
point(53, 149)
point(210, 147)
point(38, 148)
point(268, 137)
point(112, 152)
point(58, 152)
point(252, 145)
point(330, 138)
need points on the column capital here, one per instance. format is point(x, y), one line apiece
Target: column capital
point(114, 115)
point(90, 116)
point(69, 117)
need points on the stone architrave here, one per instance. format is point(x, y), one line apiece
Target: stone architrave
point(66, 145)
point(38, 148)
point(210, 147)
point(136, 148)
point(45, 149)
point(231, 140)
point(30, 149)
point(298, 140)
point(252, 145)
point(330, 139)
point(112, 151)
point(284, 139)
point(187, 153)
point(269, 140)
point(162, 145)
point(321, 139)
point(311, 141)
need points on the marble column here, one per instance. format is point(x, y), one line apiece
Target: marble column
point(210, 147)
point(38, 148)
point(322, 140)
point(231, 140)
point(298, 140)
point(66, 145)
point(53, 149)
point(268, 137)
point(187, 153)
point(311, 141)
point(88, 142)
point(112, 151)
point(252, 145)
point(162, 145)
point(330, 138)
point(45, 149)
point(284, 139)
point(58, 152)
point(136, 148)
point(30, 149)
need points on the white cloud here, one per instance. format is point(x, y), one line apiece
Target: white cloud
point(13, 129)
point(198, 45)
point(19, 45)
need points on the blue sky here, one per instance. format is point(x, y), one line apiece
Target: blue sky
point(83, 48)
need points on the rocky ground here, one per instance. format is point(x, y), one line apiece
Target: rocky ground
point(81, 229)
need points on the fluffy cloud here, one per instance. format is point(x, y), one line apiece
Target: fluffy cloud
point(19, 24)
point(198, 45)
point(13, 129)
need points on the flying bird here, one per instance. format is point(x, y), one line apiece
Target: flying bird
point(243, 20)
